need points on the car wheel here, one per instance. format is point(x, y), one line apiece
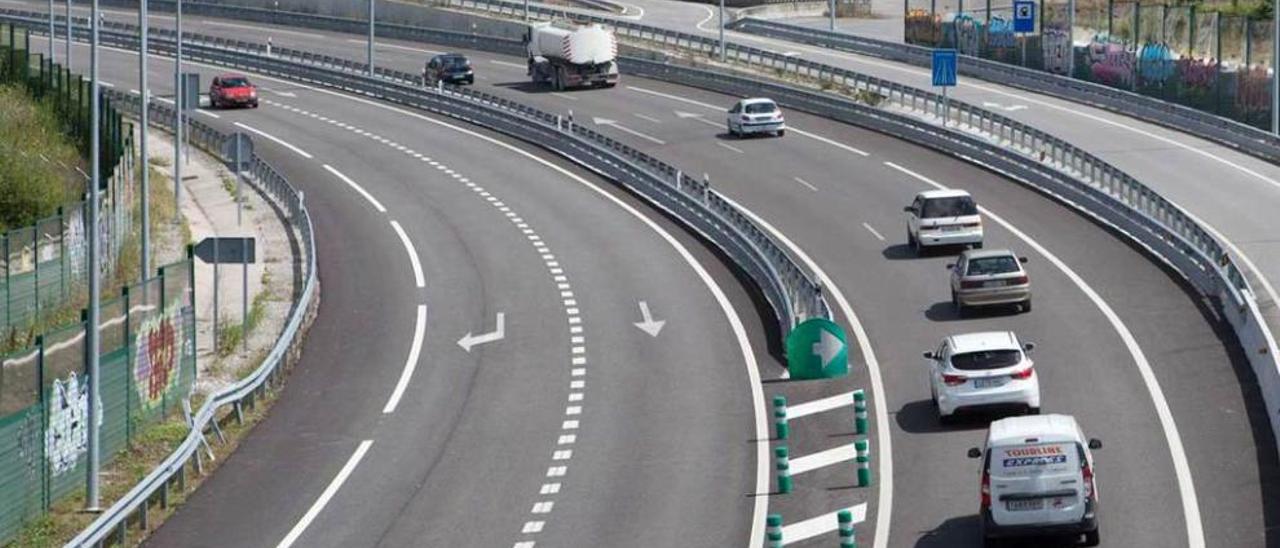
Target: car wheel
point(916, 247)
point(911, 240)
point(1026, 305)
point(471, 80)
point(957, 305)
point(782, 132)
point(1033, 410)
point(977, 245)
point(1091, 538)
point(255, 104)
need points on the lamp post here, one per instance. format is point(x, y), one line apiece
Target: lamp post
point(91, 326)
point(146, 103)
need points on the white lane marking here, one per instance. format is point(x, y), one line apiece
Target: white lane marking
point(328, 493)
point(819, 406)
point(376, 204)
point(760, 505)
point(549, 489)
point(826, 523)
point(873, 232)
point(278, 141)
point(731, 147)
point(543, 507)
point(524, 544)
point(266, 30)
point(564, 96)
point(1182, 469)
point(106, 84)
point(532, 527)
point(418, 278)
point(806, 183)
point(710, 14)
point(209, 114)
point(615, 125)
point(646, 118)
point(410, 363)
point(395, 46)
point(506, 64)
point(884, 503)
point(833, 143)
point(821, 459)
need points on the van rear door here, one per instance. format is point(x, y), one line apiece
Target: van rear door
point(1037, 484)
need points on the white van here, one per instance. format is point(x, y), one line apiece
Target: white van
point(1037, 479)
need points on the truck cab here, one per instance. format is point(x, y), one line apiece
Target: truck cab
point(1038, 479)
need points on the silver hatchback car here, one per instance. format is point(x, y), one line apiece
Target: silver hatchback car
point(988, 278)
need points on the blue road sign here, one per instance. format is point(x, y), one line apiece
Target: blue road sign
point(944, 67)
point(1024, 16)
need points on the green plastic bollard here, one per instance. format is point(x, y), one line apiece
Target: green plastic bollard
point(780, 417)
point(773, 530)
point(845, 520)
point(860, 412)
point(784, 469)
point(864, 462)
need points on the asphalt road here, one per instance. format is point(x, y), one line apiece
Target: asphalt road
point(836, 205)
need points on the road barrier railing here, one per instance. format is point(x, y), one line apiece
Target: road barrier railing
point(1246, 138)
point(111, 524)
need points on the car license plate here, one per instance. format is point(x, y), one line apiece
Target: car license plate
point(988, 383)
point(993, 283)
point(951, 228)
point(1024, 505)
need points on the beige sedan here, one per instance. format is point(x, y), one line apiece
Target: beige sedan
point(989, 277)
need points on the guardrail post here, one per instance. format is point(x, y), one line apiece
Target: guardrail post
point(706, 187)
point(784, 469)
point(773, 530)
point(864, 462)
point(143, 522)
point(679, 177)
point(780, 416)
point(845, 520)
point(860, 412)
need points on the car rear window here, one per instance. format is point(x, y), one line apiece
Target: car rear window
point(986, 359)
point(761, 108)
point(1031, 460)
point(955, 206)
point(984, 266)
point(455, 61)
point(235, 82)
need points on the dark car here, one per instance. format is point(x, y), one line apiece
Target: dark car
point(232, 90)
point(450, 68)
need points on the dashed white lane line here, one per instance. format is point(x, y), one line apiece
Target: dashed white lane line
point(873, 231)
point(264, 30)
point(646, 118)
point(415, 351)
point(376, 204)
point(277, 140)
point(1182, 469)
point(209, 114)
point(395, 46)
point(507, 64)
point(731, 147)
point(806, 184)
point(328, 493)
point(418, 278)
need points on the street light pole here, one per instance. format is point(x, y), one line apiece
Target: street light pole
point(177, 119)
point(371, 24)
point(832, 26)
point(723, 54)
point(146, 176)
point(91, 326)
point(68, 24)
point(1275, 69)
point(52, 36)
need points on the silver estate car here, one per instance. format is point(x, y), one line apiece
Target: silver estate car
point(988, 278)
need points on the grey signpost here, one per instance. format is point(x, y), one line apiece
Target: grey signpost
point(177, 119)
point(371, 32)
point(241, 250)
point(723, 54)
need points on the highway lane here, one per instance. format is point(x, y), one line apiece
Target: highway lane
point(695, 131)
point(485, 425)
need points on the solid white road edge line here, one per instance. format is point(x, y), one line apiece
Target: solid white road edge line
point(1182, 469)
point(276, 139)
point(413, 254)
point(884, 502)
point(376, 204)
point(328, 493)
point(411, 363)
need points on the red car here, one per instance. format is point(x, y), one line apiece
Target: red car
point(230, 90)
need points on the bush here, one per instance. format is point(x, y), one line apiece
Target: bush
point(37, 162)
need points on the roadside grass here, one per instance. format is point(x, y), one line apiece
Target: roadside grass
point(37, 161)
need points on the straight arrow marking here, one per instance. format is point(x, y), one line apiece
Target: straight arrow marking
point(470, 340)
point(649, 325)
point(614, 124)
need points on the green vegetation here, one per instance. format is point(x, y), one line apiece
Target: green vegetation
point(232, 334)
point(37, 161)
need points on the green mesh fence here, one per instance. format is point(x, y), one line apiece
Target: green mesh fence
point(147, 367)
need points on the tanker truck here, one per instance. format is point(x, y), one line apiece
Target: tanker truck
point(564, 54)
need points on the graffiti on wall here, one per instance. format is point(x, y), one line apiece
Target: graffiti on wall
point(968, 34)
point(1056, 44)
point(158, 356)
point(921, 28)
point(1253, 90)
point(1111, 64)
point(1156, 64)
point(67, 436)
point(1000, 33)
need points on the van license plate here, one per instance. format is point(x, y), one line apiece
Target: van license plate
point(987, 383)
point(1024, 505)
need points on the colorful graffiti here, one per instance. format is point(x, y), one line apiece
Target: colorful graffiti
point(1056, 44)
point(1156, 64)
point(1197, 74)
point(1253, 91)
point(1111, 64)
point(158, 356)
point(67, 437)
point(968, 34)
point(1000, 33)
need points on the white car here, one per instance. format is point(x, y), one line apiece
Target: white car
point(756, 115)
point(1038, 479)
point(943, 217)
point(989, 277)
point(982, 371)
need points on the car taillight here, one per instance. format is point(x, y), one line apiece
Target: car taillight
point(1087, 473)
point(986, 489)
point(954, 380)
point(970, 284)
point(1023, 375)
point(1020, 280)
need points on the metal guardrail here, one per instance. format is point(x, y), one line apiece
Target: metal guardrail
point(1246, 138)
point(273, 185)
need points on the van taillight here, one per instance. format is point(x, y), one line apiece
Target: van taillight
point(986, 489)
point(1087, 473)
point(1023, 375)
point(954, 380)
